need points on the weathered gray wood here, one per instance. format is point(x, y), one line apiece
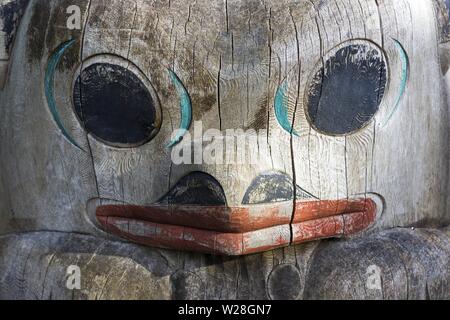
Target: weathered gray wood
point(328, 167)
point(51, 191)
point(232, 56)
point(11, 12)
point(414, 264)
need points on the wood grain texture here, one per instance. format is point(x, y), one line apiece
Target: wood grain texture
point(232, 57)
point(414, 264)
point(58, 178)
point(11, 12)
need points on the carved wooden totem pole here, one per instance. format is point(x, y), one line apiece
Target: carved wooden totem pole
point(210, 149)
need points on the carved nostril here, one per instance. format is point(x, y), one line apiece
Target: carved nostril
point(197, 188)
point(273, 187)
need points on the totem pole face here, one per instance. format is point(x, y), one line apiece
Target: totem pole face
point(226, 127)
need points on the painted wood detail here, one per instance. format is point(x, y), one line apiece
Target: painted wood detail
point(346, 91)
point(348, 97)
point(114, 105)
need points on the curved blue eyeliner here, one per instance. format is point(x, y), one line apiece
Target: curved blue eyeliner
point(281, 110)
point(404, 79)
point(49, 93)
point(185, 109)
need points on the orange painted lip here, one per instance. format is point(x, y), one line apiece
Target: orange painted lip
point(236, 231)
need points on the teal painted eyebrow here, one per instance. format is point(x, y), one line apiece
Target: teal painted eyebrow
point(404, 78)
point(185, 109)
point(281, 109)
point(49, 82)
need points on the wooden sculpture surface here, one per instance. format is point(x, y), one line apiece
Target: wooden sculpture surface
point(344, 102)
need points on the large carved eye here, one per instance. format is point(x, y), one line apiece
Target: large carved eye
point(347, 88)
point(115, 104)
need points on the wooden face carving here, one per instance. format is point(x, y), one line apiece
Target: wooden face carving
point(295, 121)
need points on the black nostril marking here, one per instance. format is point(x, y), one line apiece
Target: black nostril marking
point(197, 188)
point(273, 187)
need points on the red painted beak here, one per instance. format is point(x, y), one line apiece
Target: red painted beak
point(236, 231)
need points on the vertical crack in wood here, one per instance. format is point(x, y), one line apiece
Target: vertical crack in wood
point(269, 44)
point(188, 19)
point(83, 36)
point(219, 107)
point(380, 21)
point(294, 177)
point(374, 138)
point(131, 33)
point(227, 18)
point(322, 58)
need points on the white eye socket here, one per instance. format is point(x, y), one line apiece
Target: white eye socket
point(347, 88)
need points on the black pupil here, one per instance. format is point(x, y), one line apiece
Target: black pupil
point(345, 94)
point(114, 105)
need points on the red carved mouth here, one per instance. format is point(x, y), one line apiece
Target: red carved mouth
point(236, 231)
